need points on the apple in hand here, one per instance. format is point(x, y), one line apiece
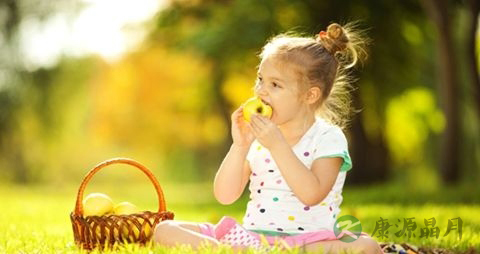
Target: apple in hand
point(256, 106)
point(97, 204)
point(125, 208)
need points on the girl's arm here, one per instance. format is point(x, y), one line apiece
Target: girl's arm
point(232, 176)
point(310, 186)
point(234, 172)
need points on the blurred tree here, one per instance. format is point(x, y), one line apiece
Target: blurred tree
point(8, 93)
point(470, 45)
point(148, 102)
point(441, 14)
point(23, 90)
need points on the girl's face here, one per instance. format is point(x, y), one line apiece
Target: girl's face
point(277, 85)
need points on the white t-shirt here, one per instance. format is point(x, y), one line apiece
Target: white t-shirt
point(273, 208)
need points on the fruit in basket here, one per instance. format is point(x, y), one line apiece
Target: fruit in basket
point(125, 208)
point(97, 204)
point(147, 229)
point(256, 106)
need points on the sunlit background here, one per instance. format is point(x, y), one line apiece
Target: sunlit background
point(82, 81)
point(79, 28)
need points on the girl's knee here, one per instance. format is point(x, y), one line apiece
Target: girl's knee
point(163, 230)
point(368, 245)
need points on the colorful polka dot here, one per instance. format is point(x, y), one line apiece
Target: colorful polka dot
point(258, 206)
point(259, 191)
point(323, 204)
point(252, 223)
point(254, 174)
point(279, 181)
point(267, 160)
point(275, 199)
point(330, 208)
point(334, 216)
point(271, 223)
point(300, 228)
point(306, 154)
point(291, 217)
point(306, 208)
point(261, 184)
point(259, 147)
point(271, 170)
point(262, 210)
point(279, 229)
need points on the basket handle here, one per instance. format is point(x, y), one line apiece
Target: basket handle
point(79, 204)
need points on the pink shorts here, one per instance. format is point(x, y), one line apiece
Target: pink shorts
point(226, 223)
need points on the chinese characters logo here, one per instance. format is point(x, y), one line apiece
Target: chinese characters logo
point(409, 226)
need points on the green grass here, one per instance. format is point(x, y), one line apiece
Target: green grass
point(36, 219)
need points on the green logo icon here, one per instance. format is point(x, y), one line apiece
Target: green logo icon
point(347, 228)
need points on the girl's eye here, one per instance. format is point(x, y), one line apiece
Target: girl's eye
point(258, 81)
point(275, 84)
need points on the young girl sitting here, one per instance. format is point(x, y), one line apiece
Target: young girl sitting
point(296, 161)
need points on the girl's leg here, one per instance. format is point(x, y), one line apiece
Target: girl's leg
point(171, 233)
point(364, 244)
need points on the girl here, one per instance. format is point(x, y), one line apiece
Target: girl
point(296, 161)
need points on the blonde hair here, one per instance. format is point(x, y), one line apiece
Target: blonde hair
point(324, 61)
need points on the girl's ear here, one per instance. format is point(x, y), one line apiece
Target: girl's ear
point(313, 95)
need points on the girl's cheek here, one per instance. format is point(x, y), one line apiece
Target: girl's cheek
point(275, 116)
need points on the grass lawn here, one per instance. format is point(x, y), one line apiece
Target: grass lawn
point(36, 219)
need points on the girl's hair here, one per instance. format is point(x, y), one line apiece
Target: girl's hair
point(324, 61)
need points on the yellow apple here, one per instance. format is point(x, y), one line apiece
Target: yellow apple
point(125, 208)
point(147, 229)
point(97, 204)
point(136, 233)
point(256, 106)
point(106, 233)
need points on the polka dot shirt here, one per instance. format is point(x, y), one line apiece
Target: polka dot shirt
point(273, 206)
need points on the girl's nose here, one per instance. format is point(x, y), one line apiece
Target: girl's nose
point(260, 89)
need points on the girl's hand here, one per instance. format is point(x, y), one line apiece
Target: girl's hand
point(241, 132)
point(266, 132)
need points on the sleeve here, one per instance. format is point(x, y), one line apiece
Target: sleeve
point(333, 143)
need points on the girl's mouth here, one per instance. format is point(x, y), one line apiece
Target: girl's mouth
point(269, 105)
point(266, 103)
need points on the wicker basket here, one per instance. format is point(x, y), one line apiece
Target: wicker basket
point(105, 231)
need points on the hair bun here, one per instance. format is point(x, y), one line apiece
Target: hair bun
point(335, 39)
